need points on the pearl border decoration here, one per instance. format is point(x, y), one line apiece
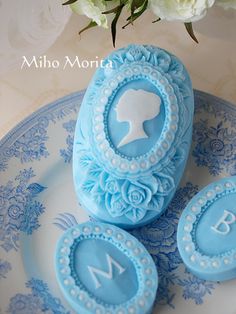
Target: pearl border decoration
point(193, 257)
point(101, 171)
point(103, 144)
point(145, 268)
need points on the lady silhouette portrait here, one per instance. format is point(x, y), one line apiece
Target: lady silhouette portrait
point(136, 107)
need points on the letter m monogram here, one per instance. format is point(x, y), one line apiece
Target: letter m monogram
point(94, 272)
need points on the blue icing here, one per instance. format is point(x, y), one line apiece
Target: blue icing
point(215, 243)
point(117, 130)
point(207, 231)
point(103, 269)
point(93, 253)
point(127, 163)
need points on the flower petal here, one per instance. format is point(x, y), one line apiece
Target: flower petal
point(150, 182)
point(92, 9)
point(167, 184)
point(186, 11)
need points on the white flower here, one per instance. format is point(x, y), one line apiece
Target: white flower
point(92, 9)
point(180, 10)
point(227, 4)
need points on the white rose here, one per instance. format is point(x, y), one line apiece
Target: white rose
point(92, 9)
point(180, 10)
point(227, 4)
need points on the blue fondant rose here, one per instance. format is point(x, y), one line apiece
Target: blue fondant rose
point(109, 184)
point(115, 205)
point(138, 194)
point(159, 58)
point(137, 53)
point(112, 186)
point(165, 184)
point(132, 199)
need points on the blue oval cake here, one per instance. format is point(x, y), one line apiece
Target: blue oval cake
point(133, 136)
point(207, 232)
point(102, 269)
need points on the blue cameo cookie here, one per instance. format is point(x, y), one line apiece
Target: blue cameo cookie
point(133, 136)
point(102, 269)
point(207, 232)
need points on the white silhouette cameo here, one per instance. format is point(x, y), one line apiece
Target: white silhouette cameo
point(135, 107)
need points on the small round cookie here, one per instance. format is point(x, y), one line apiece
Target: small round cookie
point(102, 269)
point(207, 232)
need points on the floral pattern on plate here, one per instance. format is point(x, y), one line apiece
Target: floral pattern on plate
point(30, 150)
point(19, 209)
point(31, 144)
point(40, 300)
point(5, 267)
point(214, 137)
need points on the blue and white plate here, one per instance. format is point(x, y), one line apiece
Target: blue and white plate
point(38, 202)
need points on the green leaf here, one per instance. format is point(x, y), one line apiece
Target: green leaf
point(133, 8)
point(90, 25)
point(69, 2)
point(136, 6)
point(114, 22)
point(157, 20)
point(113, 10)
point(140, 5)
point(136, 15)
point(189, 28)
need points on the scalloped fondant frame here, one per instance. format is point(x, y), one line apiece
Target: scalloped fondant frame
point(144, 266)
point(210, 267)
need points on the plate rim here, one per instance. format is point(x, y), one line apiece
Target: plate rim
point(42, 110)
point(64, 101)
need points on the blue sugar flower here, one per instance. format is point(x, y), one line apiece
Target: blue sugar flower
point(115, 204)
